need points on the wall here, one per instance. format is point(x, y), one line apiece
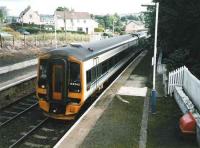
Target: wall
point(34, 19)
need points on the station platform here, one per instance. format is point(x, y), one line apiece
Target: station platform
point(15, 84)
point(15, 77)
point(116, 119)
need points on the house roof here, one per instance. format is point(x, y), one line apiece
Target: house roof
point(86, 51)
point(72, 15)
point(25, 11)
point(136, 22)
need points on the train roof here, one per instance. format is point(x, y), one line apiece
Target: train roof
point(85, 51)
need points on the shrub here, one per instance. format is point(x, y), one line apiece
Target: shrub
point(100, 29)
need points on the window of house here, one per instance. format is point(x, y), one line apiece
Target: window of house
point(30, 16)
point(80, 29)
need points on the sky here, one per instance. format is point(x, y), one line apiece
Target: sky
point(92, 6)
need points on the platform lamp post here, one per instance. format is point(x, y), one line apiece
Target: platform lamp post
point(153, 92)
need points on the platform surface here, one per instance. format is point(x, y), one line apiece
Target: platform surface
point(17, 76)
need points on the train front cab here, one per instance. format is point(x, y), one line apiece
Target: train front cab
point(60, 87)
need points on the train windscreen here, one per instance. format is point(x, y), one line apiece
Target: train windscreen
point(74, 81)
point(42, 73)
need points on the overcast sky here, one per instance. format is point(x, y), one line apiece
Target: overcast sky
point(91, 6)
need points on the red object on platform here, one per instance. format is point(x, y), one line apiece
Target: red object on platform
point(187, 123)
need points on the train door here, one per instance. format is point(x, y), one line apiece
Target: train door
point(59, 80)
point(96, 70)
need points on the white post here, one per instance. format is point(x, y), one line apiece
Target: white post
point(169, 82)
point(155, 46)
point(55, 30)
point(113, 27)
point(153, 92)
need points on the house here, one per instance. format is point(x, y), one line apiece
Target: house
point(11, 19)
point(75, 21)
point(47, 19)
point(29, 16)
point(134, 26)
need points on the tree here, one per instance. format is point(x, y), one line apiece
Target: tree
point(1, 16)
point(178, 29)
point(62, 8)
point(106, 22)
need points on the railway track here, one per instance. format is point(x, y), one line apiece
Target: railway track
point(17, 109)
point(30, 128)
point(28, 133)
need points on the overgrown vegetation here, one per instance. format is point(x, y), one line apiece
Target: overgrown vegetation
point(34, 29)
point(106, 21)
point(178, 32)
point(1, 16)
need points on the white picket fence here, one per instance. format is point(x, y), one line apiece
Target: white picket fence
point(190, 85)
point(176, 79)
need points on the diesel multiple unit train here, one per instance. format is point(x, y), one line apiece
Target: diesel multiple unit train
point(69, 75)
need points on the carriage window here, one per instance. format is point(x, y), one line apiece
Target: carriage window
point(99, 70)
point(89, 77)
point(93, 74)
point(104, 67)
point(74, 82)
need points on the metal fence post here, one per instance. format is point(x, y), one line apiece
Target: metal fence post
point(13, 41)
point(24, 40)
point(1, 41)
point(36, 40)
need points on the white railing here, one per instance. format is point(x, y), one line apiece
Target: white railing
point(183, 78)
point(176, 79)
point(18, 66)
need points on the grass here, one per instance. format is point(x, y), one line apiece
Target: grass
point(61, 36)
point(69, 37)
point(119, 127)
point(144, 69)
point(163, 130)
point(18, 53)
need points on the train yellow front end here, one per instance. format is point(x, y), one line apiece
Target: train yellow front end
point(60, 86)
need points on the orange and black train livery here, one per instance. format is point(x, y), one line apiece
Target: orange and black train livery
point(69, 75)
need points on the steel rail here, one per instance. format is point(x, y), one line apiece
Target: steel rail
point(14, 117)
point(27, 134)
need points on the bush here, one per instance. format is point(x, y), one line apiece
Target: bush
point(177, 59)
point(100, 29)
